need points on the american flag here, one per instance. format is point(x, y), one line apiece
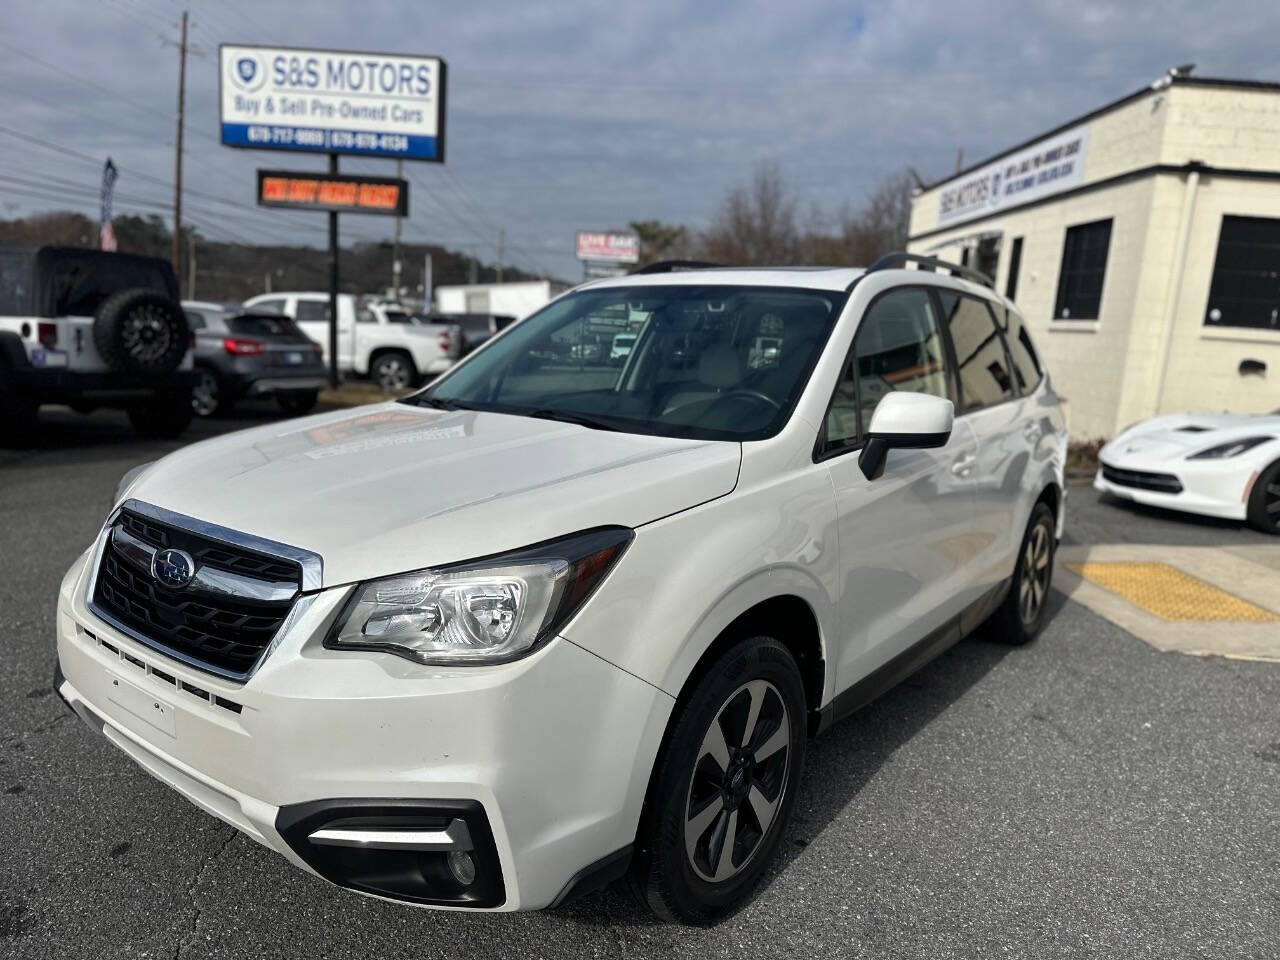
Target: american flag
point(107, 233)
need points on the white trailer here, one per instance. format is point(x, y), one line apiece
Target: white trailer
point(502, 299)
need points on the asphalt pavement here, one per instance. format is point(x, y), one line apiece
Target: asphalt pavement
point(1084, 796)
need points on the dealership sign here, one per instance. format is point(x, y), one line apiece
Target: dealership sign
point(1048, 167)
point(345, 194)
point(328, 101)
point(609, 247)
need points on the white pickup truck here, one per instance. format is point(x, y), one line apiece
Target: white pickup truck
point(92, 329)
point(376, 340)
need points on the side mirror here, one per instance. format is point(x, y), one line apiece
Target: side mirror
point(905, 420)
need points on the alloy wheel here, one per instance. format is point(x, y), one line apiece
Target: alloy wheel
point(145, 333)
point(393, 373)
point(738, 782)
point(1034, 582)
point(204, 394)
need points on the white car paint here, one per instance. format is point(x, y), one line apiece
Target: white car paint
point(558, 747)
point(1167, 445)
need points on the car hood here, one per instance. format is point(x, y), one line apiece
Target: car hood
point(1174, 437)
point(383, 489)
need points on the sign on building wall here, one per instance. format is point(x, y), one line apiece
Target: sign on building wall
point(1043, 169)
point(609, 247)
point(330, 101)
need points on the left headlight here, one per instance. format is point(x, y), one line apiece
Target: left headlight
point(1232, 449)
point(485, 611)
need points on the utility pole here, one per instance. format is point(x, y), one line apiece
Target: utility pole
point(959, 159)
point(395, 247)
point(177, 155)
point(502, 250)
point(191, 268)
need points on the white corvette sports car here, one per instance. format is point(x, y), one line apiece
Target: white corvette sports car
point(1217, 464)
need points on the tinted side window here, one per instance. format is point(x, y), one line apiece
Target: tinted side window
point(980, 356)
point(897, 347)
point(313, 311)
point(194, 320)
point(1026, 364)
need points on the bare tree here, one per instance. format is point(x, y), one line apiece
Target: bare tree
point(755, 224)
point(662, 241)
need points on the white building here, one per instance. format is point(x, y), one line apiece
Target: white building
point(1142, 244)
point(517, 299)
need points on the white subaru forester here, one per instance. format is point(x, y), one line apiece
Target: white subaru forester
point(555, 621)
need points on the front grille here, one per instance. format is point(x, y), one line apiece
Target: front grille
point(1142, 480)
point(219, 631)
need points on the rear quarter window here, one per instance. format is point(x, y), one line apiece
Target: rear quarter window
point(1026, 363)
point(262, 326)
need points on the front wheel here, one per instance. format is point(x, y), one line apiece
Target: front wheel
point(1022, 614)
point(164, 416)
point(207, 394)
point(1264, 501)
point(724, 785)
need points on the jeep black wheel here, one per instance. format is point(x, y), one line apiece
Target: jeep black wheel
point(723, 788)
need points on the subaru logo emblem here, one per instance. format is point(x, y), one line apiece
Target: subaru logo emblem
point(173, 568)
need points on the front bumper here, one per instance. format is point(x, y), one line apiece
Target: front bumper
point(554, 750)
point(1208, 488)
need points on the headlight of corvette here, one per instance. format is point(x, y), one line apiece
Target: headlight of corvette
point(487, 611)
point(1232, 449)
point(127, 480)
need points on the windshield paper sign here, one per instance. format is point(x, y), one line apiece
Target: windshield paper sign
point(1047, 167)
point(372, 104)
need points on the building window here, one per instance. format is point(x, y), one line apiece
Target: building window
point(1245, 291)
point(1084, 264)
point(1015, 264)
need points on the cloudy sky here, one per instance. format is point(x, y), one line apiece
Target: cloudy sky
point(573, 115)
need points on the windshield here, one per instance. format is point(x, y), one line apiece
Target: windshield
point(710, 362)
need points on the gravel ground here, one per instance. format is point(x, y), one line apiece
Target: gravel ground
point(1085, 796)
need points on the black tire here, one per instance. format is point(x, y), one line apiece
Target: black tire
point(17, 417)
point(164, 416)
point(1021, 616)
point(1264, 501)
point(297, 402)
point(675, 880)
point(209, 395)
point(393, 370)
point(141, 331)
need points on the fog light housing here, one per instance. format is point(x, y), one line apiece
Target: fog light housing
point(462, 867)
point(438, 852)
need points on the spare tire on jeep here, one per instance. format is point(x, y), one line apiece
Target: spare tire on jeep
point(141, 331)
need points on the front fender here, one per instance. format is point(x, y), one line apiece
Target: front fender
point(687, 577)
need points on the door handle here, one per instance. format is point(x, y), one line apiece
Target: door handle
point(963, 466)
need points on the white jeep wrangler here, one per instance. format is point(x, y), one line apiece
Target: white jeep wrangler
point(92, 329)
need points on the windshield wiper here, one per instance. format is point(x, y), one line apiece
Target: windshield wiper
point(564, 417)
point(439, 404)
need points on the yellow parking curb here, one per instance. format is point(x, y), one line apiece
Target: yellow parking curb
point(1169, 593)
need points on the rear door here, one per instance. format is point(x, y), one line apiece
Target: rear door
point(905, 543)
point(990, 403)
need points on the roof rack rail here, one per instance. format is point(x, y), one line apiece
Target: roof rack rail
point(675, 266)
point(891, 260)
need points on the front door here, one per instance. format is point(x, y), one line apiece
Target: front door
point(905, 538)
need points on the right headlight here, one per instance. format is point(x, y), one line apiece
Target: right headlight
point(486, 611)
point(1232, 449)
